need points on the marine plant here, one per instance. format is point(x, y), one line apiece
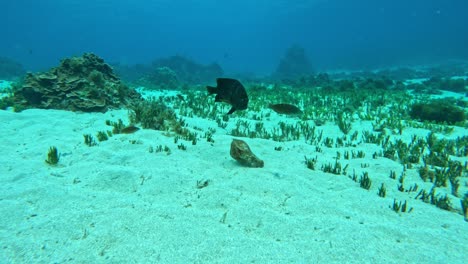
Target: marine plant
point(438, 111)
point(441, 178)
point(89, 140)
point(359, 154)
point(439, 159)
point(373, 138)
point(328, 142)
point(334, 169)
point(161, 148)
point(181, 146)
point(154, 114)
point(346, 155)
point(102, 136)
point(464, 206)
point(400, 207)
point(365, 182)
point(343, 123)
point(413, 188)
point(52, 156)
point(310, 162)
point(354, 177)
point(6, 102)
point(401, 179)
point(424, 196)
point(400, 187)
point(117, 126)
point(454, 171)
point(443, 201)
point(455, 184)
point(426, 174)
point(382, 191)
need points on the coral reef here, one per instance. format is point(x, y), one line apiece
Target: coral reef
point(165, 78)
point(187, 70)
point(131, 73)
point(241, 152)
point(84, 83)
point(10, 69)
point(294, 64)
point(171, 72)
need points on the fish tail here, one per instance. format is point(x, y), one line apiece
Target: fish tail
point(211, 89)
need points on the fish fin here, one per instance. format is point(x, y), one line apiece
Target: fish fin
point(232, 110)
point(211, 89)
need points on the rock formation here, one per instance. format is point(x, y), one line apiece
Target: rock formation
point(241, 152)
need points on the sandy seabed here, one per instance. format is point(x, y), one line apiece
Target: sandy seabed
point(118, 202)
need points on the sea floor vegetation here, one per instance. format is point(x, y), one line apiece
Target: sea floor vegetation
point(348, 125)
point(424, 134)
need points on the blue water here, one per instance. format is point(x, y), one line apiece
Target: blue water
point(242, 35)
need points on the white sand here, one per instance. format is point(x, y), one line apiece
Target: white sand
point(119, 203)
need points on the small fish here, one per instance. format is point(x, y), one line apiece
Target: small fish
point(129, 130)
point(287, 109)
point(230, 91)
point(181, 97)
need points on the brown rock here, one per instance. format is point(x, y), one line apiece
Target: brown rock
point(241, 152)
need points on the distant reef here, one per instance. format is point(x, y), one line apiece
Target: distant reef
point(171, 72)
point(294, 64)
point(83, 83)
point(187, 70)
point(10, 69)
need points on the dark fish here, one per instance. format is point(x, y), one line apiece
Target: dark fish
point(180, 97)
point(287, 109)
point(129, 130)
point(230, 91)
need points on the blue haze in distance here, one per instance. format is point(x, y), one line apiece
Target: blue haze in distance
point(242, 35)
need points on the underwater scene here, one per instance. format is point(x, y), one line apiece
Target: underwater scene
point(303, 131)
